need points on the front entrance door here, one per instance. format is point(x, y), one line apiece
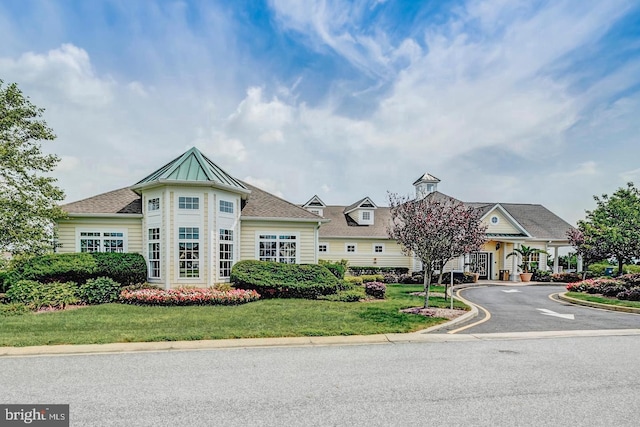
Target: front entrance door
point(480, 264)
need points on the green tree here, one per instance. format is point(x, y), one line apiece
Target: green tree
point(612, 229)
point(28, 199)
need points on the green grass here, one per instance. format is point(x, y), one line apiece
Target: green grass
point(603, 300)
point(266, 318)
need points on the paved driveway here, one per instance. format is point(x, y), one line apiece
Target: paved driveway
point(529, 308)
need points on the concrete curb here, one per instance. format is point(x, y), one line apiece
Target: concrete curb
point(563, 296)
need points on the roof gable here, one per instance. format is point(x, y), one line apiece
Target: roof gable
point(193, 167)
point(315, 202)
point(506, 224)
point(427, 177)
point(365, 202)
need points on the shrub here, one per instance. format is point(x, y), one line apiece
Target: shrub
point(566, 277)
point(126, 268)
point(139, 286)
point(357, 280)
point(337, 269)
point(37, 295)
point(188, 296)
point(375, 289)
point(372, 278)
point(632, 279)
point(630, 294)
point(541, 276)
point(13, 309)
point(99, 291)
point(359, 271)
point(222, 287)
point(594, 286)
point(4, 281)
point(278, 280)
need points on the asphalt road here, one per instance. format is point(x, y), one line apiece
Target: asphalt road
point(547, 382)
point(529, 308)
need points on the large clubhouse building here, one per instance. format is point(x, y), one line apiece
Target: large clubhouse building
point(192, 221)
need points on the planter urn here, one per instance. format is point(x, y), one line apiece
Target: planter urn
point(525, 277)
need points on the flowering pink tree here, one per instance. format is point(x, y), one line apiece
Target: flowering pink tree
point(589, 249)
point(435, 230)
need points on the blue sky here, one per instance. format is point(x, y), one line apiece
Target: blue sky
point(503, 100)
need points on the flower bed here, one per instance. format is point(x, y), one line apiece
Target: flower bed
point(188, 296)
point(620, 289)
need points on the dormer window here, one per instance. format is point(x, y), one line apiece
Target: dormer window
point(366, 216)
point(315, 206)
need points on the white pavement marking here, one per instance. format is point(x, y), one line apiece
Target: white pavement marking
point(510, 291)
point(554, 314)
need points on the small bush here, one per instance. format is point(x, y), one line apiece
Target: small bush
point(357, 280)
point(630, 295)
point(278, 280)
point(99, 291)
point(222, 287)
point(360, 271)
point(337, 269)
point(632, 279)
point(372, 278)
point(13, 309)
point(375, 289)
point(125, 268)
point(566, 277)
point(541, 276)
point(37, 295)
point(4, 281)
point(139, 286)
point(188, 296)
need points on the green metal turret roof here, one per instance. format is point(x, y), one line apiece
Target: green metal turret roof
point(193, 166)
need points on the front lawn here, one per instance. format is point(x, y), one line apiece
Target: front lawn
point(603, 300)
point(108, 323)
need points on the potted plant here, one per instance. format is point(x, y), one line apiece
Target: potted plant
point(525, 252)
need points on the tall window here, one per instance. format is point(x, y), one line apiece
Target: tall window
point(154, 253)
point(277, 247)
point(102, 241)
point(188, 202)
point(189, 252)
point(153, 204)
point(226, 252)
point(226, 207)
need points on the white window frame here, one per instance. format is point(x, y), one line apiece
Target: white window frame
point(366, 215)
point(227, 205)
point(225, 251)
point(376, 245)
point(153, 204)
point(497, 218)
point(280, 240)
point(188, 203)
point(189, 250)
point(355, 248)
point(101, 235)
point(154, 247)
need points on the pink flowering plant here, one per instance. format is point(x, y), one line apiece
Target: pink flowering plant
point(375, 289)
point(188, 296)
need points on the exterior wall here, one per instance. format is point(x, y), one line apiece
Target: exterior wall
point(504, 225)
point(68, 231)
point(364, 255)
point(306, 250)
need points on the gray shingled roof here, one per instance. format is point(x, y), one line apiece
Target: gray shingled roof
point(121, 201)
point(261, 204)
point(540, 222)
point(341, 225)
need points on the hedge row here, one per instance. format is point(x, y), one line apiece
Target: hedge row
point(277, 280)
point(124, 268)
point(362, 271)
point(188, 296)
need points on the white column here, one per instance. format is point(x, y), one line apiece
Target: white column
point(580, 266)
point(555, 260)
point(514, 264)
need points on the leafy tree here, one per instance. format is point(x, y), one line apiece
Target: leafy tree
point(612, 229)
point(525, 253)
point(28, 200)
point(435, 230)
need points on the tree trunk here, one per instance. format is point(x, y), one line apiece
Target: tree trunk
point(620, 263)
point(427, 283)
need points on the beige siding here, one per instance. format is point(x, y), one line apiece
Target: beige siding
point(67, 231)
point(307, 232)
point(504, 225)
point(391, 256)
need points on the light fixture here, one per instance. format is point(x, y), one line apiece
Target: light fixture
point(497, 246)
